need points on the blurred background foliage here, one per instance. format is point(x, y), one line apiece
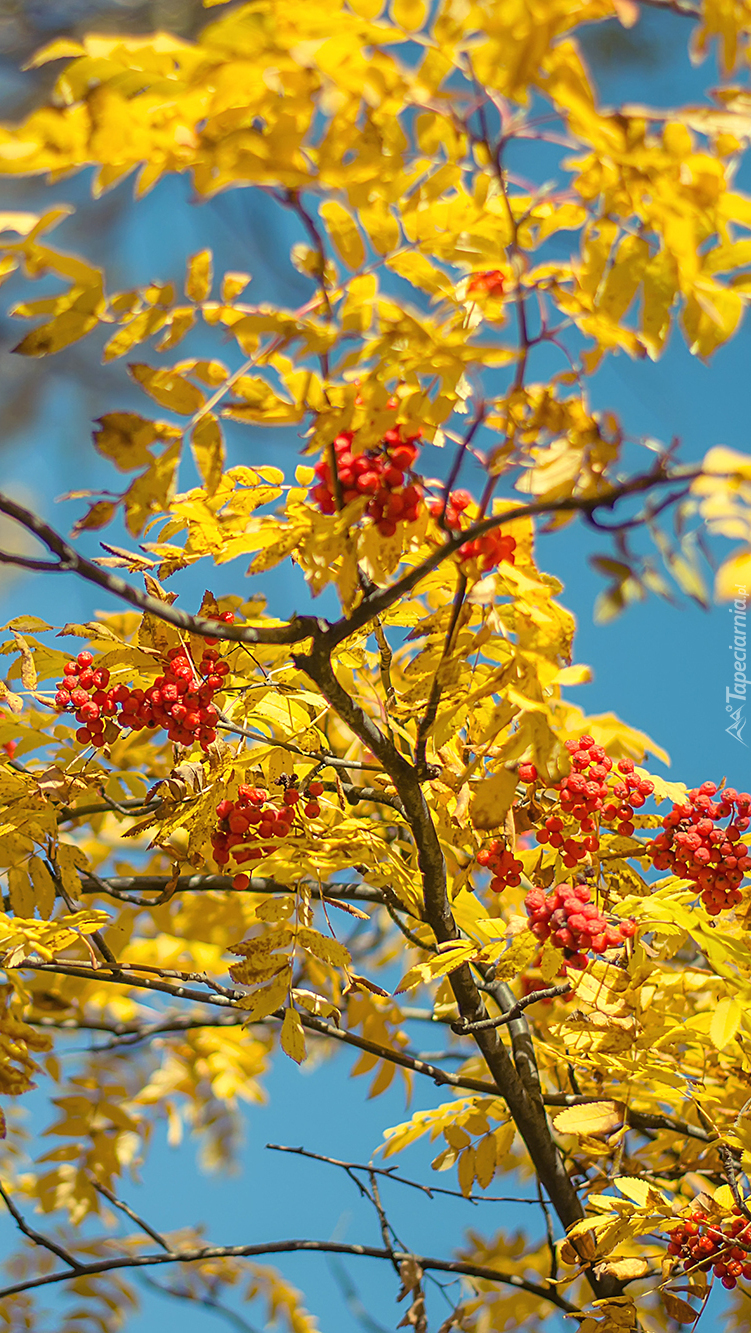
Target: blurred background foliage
point(130, 239)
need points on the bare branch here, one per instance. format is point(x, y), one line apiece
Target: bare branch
point(119, 885)
point(389, 1171)
point(550, 993)
point(69, 561)
point(38, 1239)
point(134, 1217)
point(136, 1261)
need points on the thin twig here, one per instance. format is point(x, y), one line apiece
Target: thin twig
point(549, 993)
point(134, 1217)
point(389, 1171)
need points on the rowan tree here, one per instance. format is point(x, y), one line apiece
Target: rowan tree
point(226, 829)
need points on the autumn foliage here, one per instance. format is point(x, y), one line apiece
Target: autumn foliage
point(205, 808)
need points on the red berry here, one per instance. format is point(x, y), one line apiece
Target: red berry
point(312, 809)
point(84, 659)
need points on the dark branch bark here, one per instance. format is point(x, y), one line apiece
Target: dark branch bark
point(69, 561)
point(290, 1247)
point(125, 884)
point(526, 1111)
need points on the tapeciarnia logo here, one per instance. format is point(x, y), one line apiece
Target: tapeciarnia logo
point(735, 695)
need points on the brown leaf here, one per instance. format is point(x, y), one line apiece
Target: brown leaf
point(677, 1309)
point(357, 982)
point(28, 670)
point(124, 559)
point(625, 1270)
point(155, 590)
point(14, 701)
point(98, 515)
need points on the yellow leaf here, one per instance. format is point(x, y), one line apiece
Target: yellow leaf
point(198, 277)
point(21, 893)
point(268, 998)
point(492, 799)
point(733, 577)
point(233, 284)
point(485, 1160)
point(124, 438)
point(324, 947)
point(344, 233)
point(367, 9)
point(636, 1190)
point(409, 14)
point(594, 1118)
point(724, 462)
point(551, 962)
point(168, 389)
point(726, 1020)
point(44, 887)
point(208, 451)
point(466, 1171)
point(292, 1036)
point(68, 859)
point(624, 276)
point(625, 1270)
point(381, 226)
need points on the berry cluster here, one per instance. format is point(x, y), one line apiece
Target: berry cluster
point(505, 868)
point(569, 918)
point(489, 550)
point(696, 847)
point(488, 283)
point(180, 700)
point(378, 474)
point(252, 826)
point(84, 690)
point(725, 1248)
point(586, 798)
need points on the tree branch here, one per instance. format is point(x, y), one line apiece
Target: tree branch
point(550, 993)
point(527, 1113)
point(388, 1172)
point(190, 1256)
point(69, 561)
point(380, 601)
point(118, 885)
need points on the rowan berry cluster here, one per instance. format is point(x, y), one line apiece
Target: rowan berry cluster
point(723, 1247)
point(84, 691)
point(500, 860)
point(489, 549)
point(254, 824)
point(588, 798)
point(696, 847)
point(569, 918)
point(488, 283)
point(180, 700)
point(381, 474)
